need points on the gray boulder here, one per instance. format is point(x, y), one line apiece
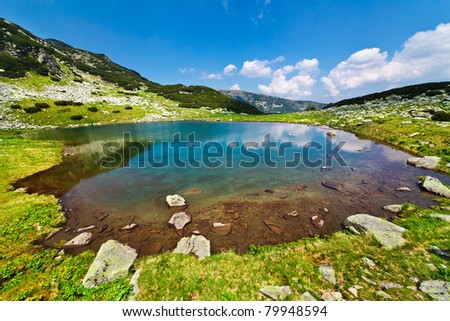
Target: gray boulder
point(306, 296)
point(437, 289)
point(427, 162)
point(196, 244)
point(386, 233)
point(112, 262)
point(276, 292)
point(435, 186)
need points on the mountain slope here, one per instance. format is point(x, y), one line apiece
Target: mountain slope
point(22, 54)
point(429, 89)
point(271, 104)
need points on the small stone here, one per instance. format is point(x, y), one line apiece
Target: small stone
point(394, 208)
point(412, 287)
point(222, 229)
point(306, 296)
point(79, 240)
point(317, 221)
point(134, 283)
point(368, 261)
point(87, 228)
point(414, 279)
point(413, 135)
point(390, 285)
point(331, 133)
point(276, 292)
point(175, 200)
point(368, 280)
point(383, 295)
point(431, 266)
point(236, 216)
point(332, 296)
point(427, 162)
point(403, 189)
point(293, 214)
point(439, 252)
point(196, 232)
point(353, 291)
point(129, 227)
point(328, 273)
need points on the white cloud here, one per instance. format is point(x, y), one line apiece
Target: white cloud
point(229, 69)
point(190, 70)
point(259, 68)
point(424, 57)
point(296, 87)
point(235, 87)
point(217, 76)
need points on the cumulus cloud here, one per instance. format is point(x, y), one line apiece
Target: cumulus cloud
point(229, 69)
point(259, 68)
point(298, 86)
point(235, 87)
point(423, 57)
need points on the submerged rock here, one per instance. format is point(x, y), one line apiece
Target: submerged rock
point(403, 189)
point(427, 162)
point(277, 229)
point(196, 244)
point(112, 262)
point(179, 220)
point(386, 233)
point(332, 185)
point(79, 240)
point(435, 186)
point(87, 228)
point(175, 200)
point(222, 228)
point(276, 292)
point(318, 221)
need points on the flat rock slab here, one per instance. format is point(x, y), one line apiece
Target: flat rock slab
point(175, 200)
point(277, 229)
point(435, 186)
point(196, 244)
point(437, 289)
point(386, 233)
point(112, 262)
point(276, 292)
point(427, 162)
point(79, 240)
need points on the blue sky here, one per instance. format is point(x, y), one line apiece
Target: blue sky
point(309, 50)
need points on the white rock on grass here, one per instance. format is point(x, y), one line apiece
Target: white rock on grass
point(444, 217)
point(332, 296)
point(112, 262)
point(179, 220)
point(328, 273)
point(306, 296)
point(196, 244)
point(79, 240)
point(394, 208)
point(435, 186)
point(437, 289)
point(276, 292)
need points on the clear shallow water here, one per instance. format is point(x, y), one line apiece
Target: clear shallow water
point(135, 191)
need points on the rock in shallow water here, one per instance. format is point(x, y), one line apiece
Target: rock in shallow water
point(394, 208)
point(222, 228)
point(435, 186)
point(112, 262)
point(179, 220)
point(175, 200)
point(386, 233)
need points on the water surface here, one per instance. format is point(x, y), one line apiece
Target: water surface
point(135, 191)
